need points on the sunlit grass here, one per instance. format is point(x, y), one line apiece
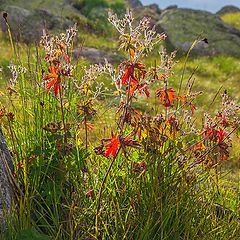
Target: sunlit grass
point(96, 41)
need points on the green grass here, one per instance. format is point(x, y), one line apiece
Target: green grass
point(99, 42)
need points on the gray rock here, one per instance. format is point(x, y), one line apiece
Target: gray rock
point(97, 56)
point(27, 26)
point(6, 190)
point(135, 3)
point(171, 7)
point(183, 26)
point(155, 8)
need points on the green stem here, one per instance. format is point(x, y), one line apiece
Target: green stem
point(10, 38)
point(86, 132)
point(63, 121)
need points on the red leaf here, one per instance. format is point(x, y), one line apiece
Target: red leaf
point(133, 87)
point(127, 75)
point(193, 108)
point(144, 89)
point(113, 146)
point(220, 135)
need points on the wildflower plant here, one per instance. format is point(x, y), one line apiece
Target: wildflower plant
point(172, 129)
point(56, 49)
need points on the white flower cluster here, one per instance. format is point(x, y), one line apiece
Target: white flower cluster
point(167, 61)
point(230, 107)
point(15, 71)
point(142, 37)
point(53, 45)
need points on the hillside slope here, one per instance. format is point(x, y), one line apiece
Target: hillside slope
point(182, 26)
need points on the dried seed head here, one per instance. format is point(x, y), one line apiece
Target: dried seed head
point(5, 14)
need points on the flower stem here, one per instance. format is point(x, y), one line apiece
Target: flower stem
point(63, 121)
point(86, 132)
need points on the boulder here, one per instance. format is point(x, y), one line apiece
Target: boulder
point(6, 186)
point(97, 56)
point(155, 8)
point(228, 9)
point(171, 7)
point(135, 3)
point(183, 26)
point(27, 26)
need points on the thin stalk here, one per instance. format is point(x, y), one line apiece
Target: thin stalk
point(121, 124)
point(86, 132)
point(12, 138)
point(101, 192)
point(63, 121)
point(10, 37)
point(185, 63)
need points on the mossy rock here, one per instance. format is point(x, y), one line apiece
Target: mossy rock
point(27, 19)
point(183, 26)
point(228, 9)
point(27, 26)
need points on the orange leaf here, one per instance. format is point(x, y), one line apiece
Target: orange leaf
point(132, 52)
point(166, 96)
point(193, 108)
point(113, 146)
point(55, 83)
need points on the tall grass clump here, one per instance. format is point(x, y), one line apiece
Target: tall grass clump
point(155, 174)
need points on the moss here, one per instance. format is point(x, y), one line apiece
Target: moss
point(232, 19)
point(183, 26)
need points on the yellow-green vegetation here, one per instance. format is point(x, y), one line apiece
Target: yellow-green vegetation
point(232, 19)
point(96, 41)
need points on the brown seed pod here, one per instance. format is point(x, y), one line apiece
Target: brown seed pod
point(5, 15)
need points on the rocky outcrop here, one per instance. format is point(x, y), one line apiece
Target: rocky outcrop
point(97, 56)
point(27, 26)
point(183, 26)
point(153, 12)
point(171, 7)
point(6, 191)
point(228, 9)
point(135, 3)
